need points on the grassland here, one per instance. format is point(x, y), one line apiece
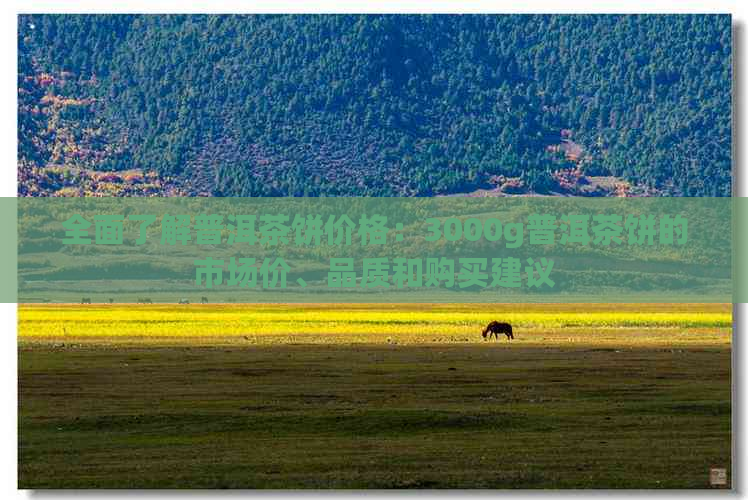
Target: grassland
point(372, 396)
point(373, 323)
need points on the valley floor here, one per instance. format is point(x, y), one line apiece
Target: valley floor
point(580, 410)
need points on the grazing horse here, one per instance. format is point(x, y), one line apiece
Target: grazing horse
point(86, 300)
point(495, 328)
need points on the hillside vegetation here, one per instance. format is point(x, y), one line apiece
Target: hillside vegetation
point(374, 105)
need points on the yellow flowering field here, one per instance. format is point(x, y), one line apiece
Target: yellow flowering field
point(391, 323)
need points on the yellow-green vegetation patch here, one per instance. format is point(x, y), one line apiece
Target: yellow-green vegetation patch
point(403, 324)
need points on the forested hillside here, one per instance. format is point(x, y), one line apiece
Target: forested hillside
point(374, 105)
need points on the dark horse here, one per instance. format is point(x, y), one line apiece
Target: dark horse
point(495, 328)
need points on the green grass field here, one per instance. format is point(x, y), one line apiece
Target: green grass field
point(402, 396)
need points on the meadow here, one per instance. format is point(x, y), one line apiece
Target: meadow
point(370, 323)
point(373, 396)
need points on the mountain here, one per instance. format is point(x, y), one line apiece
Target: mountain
point(394, 105)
